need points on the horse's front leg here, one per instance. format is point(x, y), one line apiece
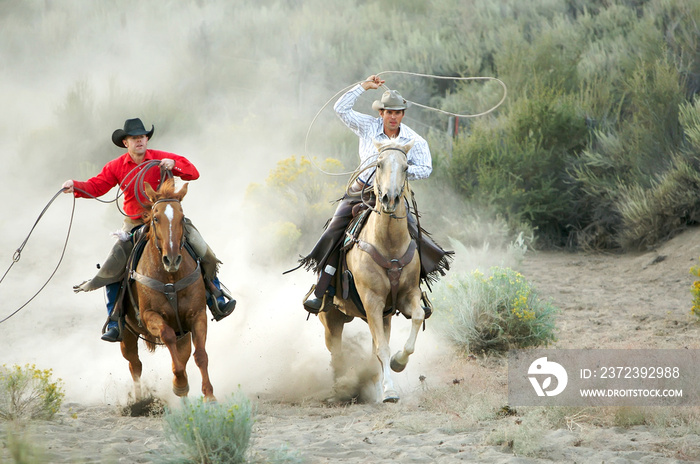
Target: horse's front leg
point(400, 359)
point(201, 358)
point(379, 327)
point(157, 327)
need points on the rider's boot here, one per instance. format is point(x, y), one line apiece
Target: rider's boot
point(111, 271)
point(314, 300)
point(217, 297)
point(219, 300)
point(112, 332)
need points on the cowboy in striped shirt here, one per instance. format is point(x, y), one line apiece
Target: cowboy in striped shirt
point(323, 259)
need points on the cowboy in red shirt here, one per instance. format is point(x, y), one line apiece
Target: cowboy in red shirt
point(123, 171)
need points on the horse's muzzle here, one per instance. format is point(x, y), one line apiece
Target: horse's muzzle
point(389, 202)
point(172, 264)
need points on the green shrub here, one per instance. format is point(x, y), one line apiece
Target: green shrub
point(519, 169)
point(29, 393)
point(21, 446)
point(211, 432)
point(652, 215)
point(493, 313)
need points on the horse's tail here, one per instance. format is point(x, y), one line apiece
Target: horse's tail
point(150, 344)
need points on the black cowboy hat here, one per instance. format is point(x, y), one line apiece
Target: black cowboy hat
point(131, 127)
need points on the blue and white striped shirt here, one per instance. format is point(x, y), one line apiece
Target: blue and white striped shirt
point(420, 163)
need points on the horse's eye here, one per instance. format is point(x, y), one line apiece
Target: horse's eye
point(155, 219)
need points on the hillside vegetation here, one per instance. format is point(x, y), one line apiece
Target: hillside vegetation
point(597, 145)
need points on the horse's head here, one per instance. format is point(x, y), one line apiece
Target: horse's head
point(167, 222)
point(390, 178)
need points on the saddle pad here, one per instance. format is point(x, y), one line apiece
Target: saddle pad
point(354, 228)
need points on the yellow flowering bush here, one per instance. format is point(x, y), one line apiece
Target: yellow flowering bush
point(29, 393)
point(494, 312)
point(210, 432)
point(695, 291)
point(297, 198)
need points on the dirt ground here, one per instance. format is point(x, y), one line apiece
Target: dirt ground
point(639, 300)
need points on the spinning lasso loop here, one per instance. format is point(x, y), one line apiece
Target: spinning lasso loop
point(360, 168)
point(137, 182)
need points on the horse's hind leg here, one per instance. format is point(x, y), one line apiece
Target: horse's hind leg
point(400, 359)
point(201, 358)
point(130, 351)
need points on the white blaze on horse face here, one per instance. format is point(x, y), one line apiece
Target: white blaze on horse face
point(396, 174)
point(391, 180)
point(170, 214)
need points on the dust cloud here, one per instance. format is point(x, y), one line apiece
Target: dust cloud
point(221, 89)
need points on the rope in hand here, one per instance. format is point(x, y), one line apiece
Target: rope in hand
point(137, 181)
point(355, 171)
point(18, 253)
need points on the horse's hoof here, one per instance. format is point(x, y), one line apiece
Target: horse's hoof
point(391, 397)
point(396, 366)
point(181, 391)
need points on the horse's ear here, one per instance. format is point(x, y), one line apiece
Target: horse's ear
point(409, 145)
point(183, 191)
point(150, 193)
point(377, 144)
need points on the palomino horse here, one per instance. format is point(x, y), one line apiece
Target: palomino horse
point(386, 269)
point(169, 293)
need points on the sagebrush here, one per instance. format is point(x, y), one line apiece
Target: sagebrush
point(27, 392)
point(211, 432)
point(494, 312)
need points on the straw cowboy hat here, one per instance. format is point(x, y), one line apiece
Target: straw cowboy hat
point(131, 127)
point(391, 100)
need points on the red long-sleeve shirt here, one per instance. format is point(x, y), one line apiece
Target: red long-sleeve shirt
point(119, 172)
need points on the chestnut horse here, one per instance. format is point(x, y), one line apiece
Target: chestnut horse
point(386, 270)
point(169, 293)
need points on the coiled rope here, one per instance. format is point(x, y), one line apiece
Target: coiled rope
point(137, 183)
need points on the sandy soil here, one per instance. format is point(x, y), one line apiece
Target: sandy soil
point(637, 300)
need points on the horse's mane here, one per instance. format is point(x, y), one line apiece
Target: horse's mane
point(391, 143)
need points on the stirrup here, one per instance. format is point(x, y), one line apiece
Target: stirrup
point(311, 309)
point(427, 305)
point(220, 312)
point(325, 300)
